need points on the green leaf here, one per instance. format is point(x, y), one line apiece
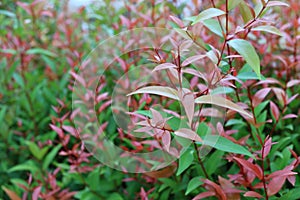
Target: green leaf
point(233, 3)
point(214, 26)
point(2, 113)
point(146, 113)
point(269, 29)
point(50, 156)
point(222, 102)
point(247, 51)
point(223, 144)
point(40, 51)
point(158, 90)
point(27, 166)
point(206, 14)
point(7, 13)
point(213, 162)
point(193, 184)
point(293, 194)
point(36, 151)
point(246, 11)
point(115, 196)
point(9, 51)
point(185, 160)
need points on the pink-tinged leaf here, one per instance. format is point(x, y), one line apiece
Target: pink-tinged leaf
point(267, 147)
point(164, 66)
point(251, 167)
point(253, 194)
point(204, 195)
point(11, 194)
point(166, 140)
point(290, 116)
point(292, 98)
point(279, 173)
point(275, 185)
point(277, 3)
point(78, 78)
point(59, 131)
point(274, 110)
point(292, 83)
point(220, 193)
point(192, 59)
point(71, 130)
point(187, 100)
point(177, 21)
point(222, 102)
point(195, 73)
point(268, 81)
point(260, 96)
point(280, 94)
point(36, 193)
point(158, 90)
point(188, 134)
point(292, 180)
point(156, 117)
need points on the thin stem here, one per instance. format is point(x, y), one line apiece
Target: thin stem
point(200, 161)
point(263, 171)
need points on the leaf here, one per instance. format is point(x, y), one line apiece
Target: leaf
point(214, 26)
point(11, 194)
point(7, 13)
point(193, 184)
point(185, 160)
point(192, 59)
point(40, 51)
point(50, 156)
point(251, 167)
point(177, 21)
point(158, 90)
point(162, 173)
point(233, 3)
point(293, 194)
point(269, 29)
point(274, 110)
point(187, 100)
point(207, 14)
point(245, 49)
point(27, 166)
point(221, 101)
point(246, 11)
point(277, 3)
point(188, 134)
point(223, 144)
point(164, 66)
point(36, 151)
point(214, 161)
point(253, 194)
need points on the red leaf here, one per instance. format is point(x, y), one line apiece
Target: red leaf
point(177, 21)
point(251, 167)
point(164, 66)
point(217, 189)
point(292, 83)
point(274, 110)
point(277, 3)
point(12, 195)
point(188, 133)
point(78, 78)
point(204, 195)
point(59, 131)
point(36, 193)
point(253, 194)
point(275, 185)
point(267, 147)
point(192, 59)
point(260, 95)
point(187, 100)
